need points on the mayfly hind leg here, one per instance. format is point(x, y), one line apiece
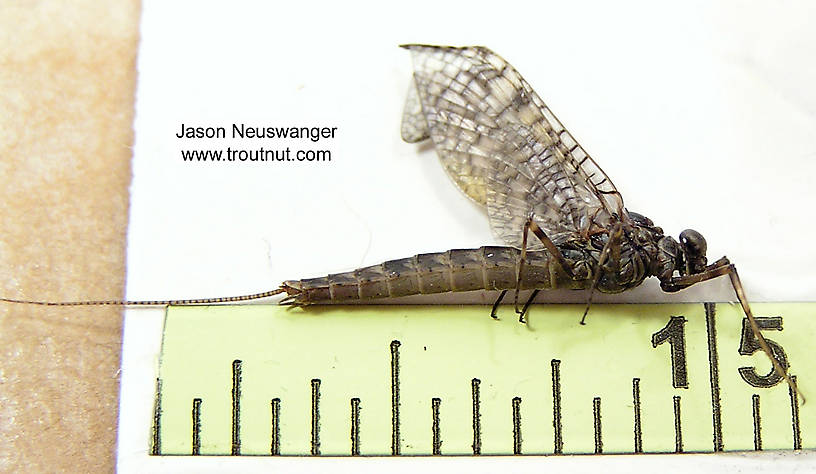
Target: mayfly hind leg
point(531, 226)
point(725, 267)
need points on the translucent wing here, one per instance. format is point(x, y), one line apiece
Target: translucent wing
point(503, 147)
point(414, 126)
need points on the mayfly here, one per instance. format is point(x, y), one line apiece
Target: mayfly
point(504, 149)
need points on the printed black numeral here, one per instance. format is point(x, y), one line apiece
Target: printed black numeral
point(675, 333)
point(749, 345)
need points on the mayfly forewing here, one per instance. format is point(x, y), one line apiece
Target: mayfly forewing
point(490, 128)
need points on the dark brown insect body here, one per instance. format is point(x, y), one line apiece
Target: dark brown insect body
point(644, 252)
point(504, 148)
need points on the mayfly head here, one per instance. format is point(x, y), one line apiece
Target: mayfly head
point(686, 257)
point(694, 247)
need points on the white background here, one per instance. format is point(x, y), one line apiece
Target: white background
point(704, 116)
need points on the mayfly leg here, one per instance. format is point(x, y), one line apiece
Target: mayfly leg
point(529, 302)
point(496, 304)
point(724, 267)
point(718, 268)
point(521, 268)
point(531, 226)
point(612, 247)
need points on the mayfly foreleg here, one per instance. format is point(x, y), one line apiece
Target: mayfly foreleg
point(724, 267)
point(743, 300)
point(718, 268)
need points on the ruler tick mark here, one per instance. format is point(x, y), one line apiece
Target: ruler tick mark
point(477, 422)
point(315, 417)
point(236, 407)
point(196, 426)
point(155, 448)
point(636, 404)
point(794, 401)
point(714, 375)
point(274, 445)
point(678, 430)
point(558, 441)
point(517, 425)
point(355, 426)
point(436, 447)
point(395, 400)
point(596, 415)
point(757, 423)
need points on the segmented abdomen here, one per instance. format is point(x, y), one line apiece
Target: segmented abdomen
point(491, 268)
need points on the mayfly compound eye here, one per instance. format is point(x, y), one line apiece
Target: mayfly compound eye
point(693, 242)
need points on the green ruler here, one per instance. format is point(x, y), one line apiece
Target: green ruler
point(449, 380)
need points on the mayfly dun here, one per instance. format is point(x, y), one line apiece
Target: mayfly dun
point(504, 149)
